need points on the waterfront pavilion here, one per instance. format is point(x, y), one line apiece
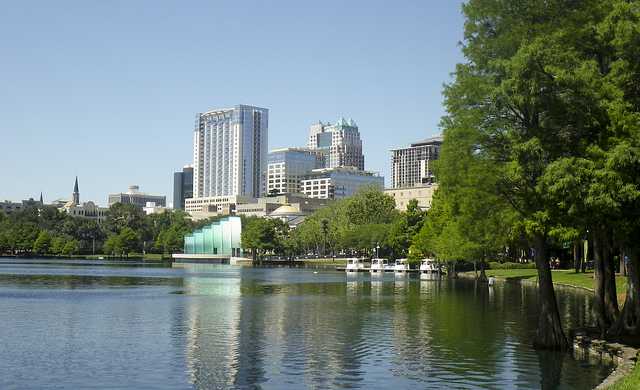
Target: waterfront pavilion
point(220, 239)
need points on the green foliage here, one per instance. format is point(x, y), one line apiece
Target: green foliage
point(510, 265)
point(70, 248)
point(260, 235)
point(57, 245)
point(43, 243)
point(44, 230)
point(113, 245)
point(370, 206)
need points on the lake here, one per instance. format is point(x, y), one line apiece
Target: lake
point(218, 326)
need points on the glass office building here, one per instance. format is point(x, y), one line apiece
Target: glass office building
point(221, 238)
point(182, 187)
point(287, 167)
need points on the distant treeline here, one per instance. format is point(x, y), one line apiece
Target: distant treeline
point(45, 230)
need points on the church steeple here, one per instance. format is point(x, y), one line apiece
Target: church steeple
point(76, 193)
point(41, 201)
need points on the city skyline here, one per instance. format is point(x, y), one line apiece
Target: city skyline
point(121, 112)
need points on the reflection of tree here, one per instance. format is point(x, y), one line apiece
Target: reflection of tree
point(550, 368)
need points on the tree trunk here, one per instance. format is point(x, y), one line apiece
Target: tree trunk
point(598, 293)
point(577, 256)
point(452, 274)
point(623, 266)
point(475, 268)
point(629, 321)
point(605, 298)
point(610, 291)
point(549, 334)
point(483, 275)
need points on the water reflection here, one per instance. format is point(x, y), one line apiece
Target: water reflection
point(234, 327)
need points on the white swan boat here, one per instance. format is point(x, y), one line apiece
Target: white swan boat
point(354, 265)
point(378, 267)
point(429, 269)
point(401, 267)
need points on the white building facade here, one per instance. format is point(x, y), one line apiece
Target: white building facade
point(338, 183)
point(230, 152)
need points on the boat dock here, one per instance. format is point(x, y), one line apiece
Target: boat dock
point(343, 269)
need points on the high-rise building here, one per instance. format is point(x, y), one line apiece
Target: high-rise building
point(340, 144)
point(413, 166)
point(230, 152)
point(337, 183)
point(182, 186)
point(135, 197)
point(288, 166)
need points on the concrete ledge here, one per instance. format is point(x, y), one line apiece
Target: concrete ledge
point(624, 357)
point(189, 258)
point(241, 261)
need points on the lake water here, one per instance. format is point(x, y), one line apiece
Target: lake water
point(219, 327)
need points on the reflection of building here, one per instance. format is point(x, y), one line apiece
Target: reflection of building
point(135, 197)
point(182, 187)
point(221, 239)
point(87, 210)
point(212, 330)
point(414, 165)
point(337, 183)
point(287, 167)
point(340, 144)
point(230, 152)
point(423, 194)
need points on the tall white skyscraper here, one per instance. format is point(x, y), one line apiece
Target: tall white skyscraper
point(340, 144)
point(230, 152)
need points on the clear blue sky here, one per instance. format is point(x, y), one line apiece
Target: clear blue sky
point(108, 90)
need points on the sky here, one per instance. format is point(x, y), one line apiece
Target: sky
point(109, 90)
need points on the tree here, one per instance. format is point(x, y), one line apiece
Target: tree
point(129, 240)
point(370, 206)
point(113, 245)
point(43, 243)
point(121, 216)
point(259, 235)
point(57, 245)
point(70, 248)
point(527, 89)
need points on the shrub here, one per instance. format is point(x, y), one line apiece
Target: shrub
point(509, 265)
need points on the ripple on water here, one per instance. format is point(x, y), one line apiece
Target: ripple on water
point(274, 329)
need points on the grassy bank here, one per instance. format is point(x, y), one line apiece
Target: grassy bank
point(563, 277)
point(132, 256)
point(325, 262)
point(629, 382)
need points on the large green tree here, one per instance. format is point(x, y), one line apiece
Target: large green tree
point(531, 90)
